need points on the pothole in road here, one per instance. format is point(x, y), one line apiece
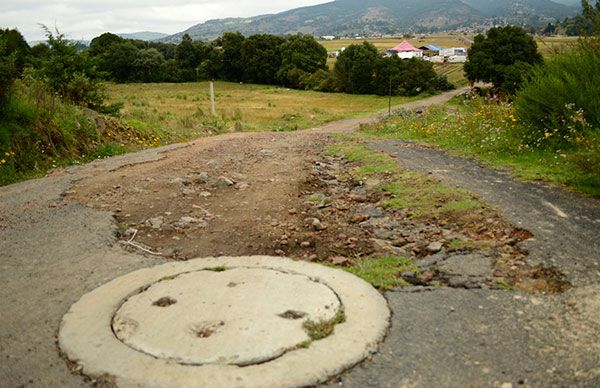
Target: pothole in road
point(256, 321)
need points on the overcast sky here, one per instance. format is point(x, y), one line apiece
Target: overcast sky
point(87, 19)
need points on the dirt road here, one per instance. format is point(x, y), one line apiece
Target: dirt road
point(64, 235)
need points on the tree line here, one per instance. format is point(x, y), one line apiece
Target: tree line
point(297, 61)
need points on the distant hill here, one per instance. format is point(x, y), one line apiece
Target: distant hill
point(372, 17)
point(144, 35)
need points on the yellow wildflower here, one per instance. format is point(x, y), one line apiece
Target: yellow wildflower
point(2, 161)
point(548, 135)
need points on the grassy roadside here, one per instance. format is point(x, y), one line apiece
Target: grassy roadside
point(490, 133)
point(53, 134)
point(185, 111)
point(410, 197)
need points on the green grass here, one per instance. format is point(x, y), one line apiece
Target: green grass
point(417, 195)
point(490, 133)
point(323, 328)
point(183, 110)
point(382, 272)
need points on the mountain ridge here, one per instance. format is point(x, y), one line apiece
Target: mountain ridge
point(383, 17)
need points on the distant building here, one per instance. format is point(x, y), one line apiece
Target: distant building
point(457, 59)
point(449, 52)
point(431, 48)
point(328, 37)
point(406, 50)
point(435, 59)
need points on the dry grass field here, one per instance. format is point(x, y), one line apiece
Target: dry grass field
point(184, 109)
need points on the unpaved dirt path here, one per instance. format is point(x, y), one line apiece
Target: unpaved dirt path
point(64, 235)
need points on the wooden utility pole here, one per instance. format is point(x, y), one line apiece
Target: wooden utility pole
point(212, 98)
point(390, 99)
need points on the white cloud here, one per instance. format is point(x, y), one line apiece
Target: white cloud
point(87, 19)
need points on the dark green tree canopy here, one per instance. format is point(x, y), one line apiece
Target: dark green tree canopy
point(14, 45)
point(147, 65)
point(301, 55)
point(503, 57)
point(262, 58)
point(101, 44)
point(354, 68)
point(231, 58)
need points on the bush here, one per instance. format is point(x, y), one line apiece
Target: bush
point(562, 99)
point(503, 57)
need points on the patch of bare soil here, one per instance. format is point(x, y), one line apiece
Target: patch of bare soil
point(278, 194)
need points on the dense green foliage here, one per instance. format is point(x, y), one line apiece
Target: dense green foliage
point(51, 94)
point(261, 56)
point(301, 55)
point(354, 68)
point(489, 131)
point(503, 56)
point(361, 70)
point(562, 98)
point(298, 62)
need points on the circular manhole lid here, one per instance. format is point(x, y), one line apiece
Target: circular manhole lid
point(225, 321)
point(240, 316)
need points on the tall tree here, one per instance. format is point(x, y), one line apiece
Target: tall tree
point(232, 64)
point(354, 68)
point(186, 56)
point(262, 58)
point(504, 56)
point(301, 55)
point(147, 65)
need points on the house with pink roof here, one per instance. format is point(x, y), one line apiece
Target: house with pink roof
point(406, 50)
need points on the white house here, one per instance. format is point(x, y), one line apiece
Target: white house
point(406, 50)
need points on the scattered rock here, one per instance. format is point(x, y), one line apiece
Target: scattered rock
point(317, 225)
point(468, 265)
point(305, 244)
point(185, 221)
point(372, 212)
point(129, 232)
point(435, 247)
point(237, 177)
point(213, 163)
point(223, 182)
point(156, 222)
point(339, 260)
point(188, 191)
point(202, 177)
point(205, 194)
point(178, 181)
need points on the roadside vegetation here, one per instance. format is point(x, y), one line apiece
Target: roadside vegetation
point(184, 109)
point(55, 109)
point(423, 217)
point(541, 119)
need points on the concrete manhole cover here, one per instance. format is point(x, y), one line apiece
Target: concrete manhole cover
point(247, 321)
point(240, 316)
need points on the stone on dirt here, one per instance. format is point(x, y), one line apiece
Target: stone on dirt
point(202, 177)
point(156, 222)
point(435, 247)
point(224, 182)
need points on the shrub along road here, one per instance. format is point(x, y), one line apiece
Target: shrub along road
point(252, 193)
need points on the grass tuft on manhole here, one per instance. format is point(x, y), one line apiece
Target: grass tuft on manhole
point(382, 272)
point(220, 268)
point(324, 328)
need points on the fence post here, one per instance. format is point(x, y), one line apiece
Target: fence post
point(212, 98)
